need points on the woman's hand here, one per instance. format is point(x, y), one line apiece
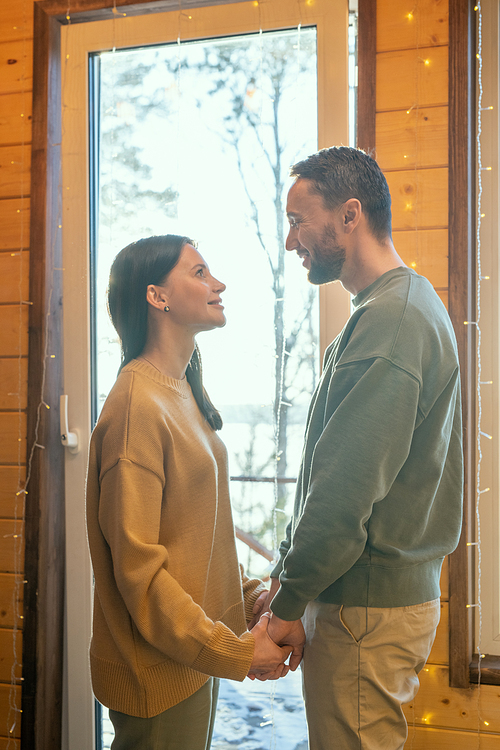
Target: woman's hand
point(263, 602)
point(268, 658)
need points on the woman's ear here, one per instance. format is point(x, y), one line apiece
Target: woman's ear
point(156, 297)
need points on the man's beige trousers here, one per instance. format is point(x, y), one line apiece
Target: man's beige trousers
point(360, 665)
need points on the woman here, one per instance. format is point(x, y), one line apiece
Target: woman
point(171, 605)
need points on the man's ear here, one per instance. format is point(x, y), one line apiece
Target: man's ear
point(351, 214)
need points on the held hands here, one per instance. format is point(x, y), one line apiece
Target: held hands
point(282, 632)
point(268, 658)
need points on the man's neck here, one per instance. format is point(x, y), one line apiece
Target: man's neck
point(367, 263)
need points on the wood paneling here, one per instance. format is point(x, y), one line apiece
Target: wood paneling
point(15, 162)
point(7, 718)
point(11, 547)
point(440, 652)
point(412, 138)
point(437, 704)
point(408, 77)
point(9, 744)
point(15, 118)
point(8, 642)
point(419, 198)
point(16, 66)
point(16, 21)
point(14, 277)
point(426, 251)
point(445, 297)
point(407, 24)
point(444, 581)
point(12, 478)
point(9, 594)
point(14, 383)
point(14, 327)
point(428, 738)
point(12, 437)
point(15, 223)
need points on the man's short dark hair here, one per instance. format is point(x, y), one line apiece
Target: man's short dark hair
point(339, 173)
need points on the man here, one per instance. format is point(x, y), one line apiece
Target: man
point(379, 491)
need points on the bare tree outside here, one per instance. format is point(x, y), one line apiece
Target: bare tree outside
point(249, 84)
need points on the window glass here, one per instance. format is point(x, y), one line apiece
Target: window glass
point(197, 139)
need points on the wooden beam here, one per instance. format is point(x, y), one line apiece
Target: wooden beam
point(45, 544)
point(462, 308)
point(83, 11)
point(367, 55)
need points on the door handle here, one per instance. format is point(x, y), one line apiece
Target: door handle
point(68, 439)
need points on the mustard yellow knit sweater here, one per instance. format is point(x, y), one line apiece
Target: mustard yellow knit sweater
point(171, 603)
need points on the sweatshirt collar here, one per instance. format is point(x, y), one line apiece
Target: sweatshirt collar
point(368, 291)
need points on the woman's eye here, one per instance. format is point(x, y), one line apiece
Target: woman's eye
point(199, 272)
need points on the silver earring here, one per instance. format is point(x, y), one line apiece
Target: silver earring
point(166, 308)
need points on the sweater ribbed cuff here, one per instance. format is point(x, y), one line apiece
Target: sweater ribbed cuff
point(225, 655)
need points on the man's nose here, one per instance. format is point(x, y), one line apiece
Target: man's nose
point(291, 242)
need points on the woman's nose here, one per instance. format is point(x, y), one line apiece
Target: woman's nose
point(219, 286)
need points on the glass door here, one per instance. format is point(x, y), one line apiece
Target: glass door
point(195, 136)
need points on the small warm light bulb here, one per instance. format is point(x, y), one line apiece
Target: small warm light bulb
point(413, 265)
point(427, 62)
point(482, 216)
point(409, 16)
point(409, 206)
point(477, 55)
point(476, 7)
point(404, 156)
point(487, 723)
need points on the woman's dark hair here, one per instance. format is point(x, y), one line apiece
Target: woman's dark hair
point(149, 261)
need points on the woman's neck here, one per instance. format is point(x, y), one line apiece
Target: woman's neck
point(171, 358)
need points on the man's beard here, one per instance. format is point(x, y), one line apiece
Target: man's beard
point(328, 259)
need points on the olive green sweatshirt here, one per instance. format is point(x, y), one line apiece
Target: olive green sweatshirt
point(379, 492)
point(171, 603)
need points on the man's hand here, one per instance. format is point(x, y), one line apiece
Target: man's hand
point(290, 633)
point(263, 602)
point(268, 658)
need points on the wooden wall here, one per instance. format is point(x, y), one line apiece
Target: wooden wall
point(16, 22)
point(412, 148)
point(411, 137)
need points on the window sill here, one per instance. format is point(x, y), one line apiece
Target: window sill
point(490, 670)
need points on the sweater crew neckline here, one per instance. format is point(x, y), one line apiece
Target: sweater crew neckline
point(365, 293)
point(181, 387)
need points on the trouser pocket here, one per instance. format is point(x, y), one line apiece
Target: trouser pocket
point(354, 620)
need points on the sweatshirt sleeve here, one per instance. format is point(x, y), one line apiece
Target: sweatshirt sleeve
point(364, 443)
point(164, 613)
